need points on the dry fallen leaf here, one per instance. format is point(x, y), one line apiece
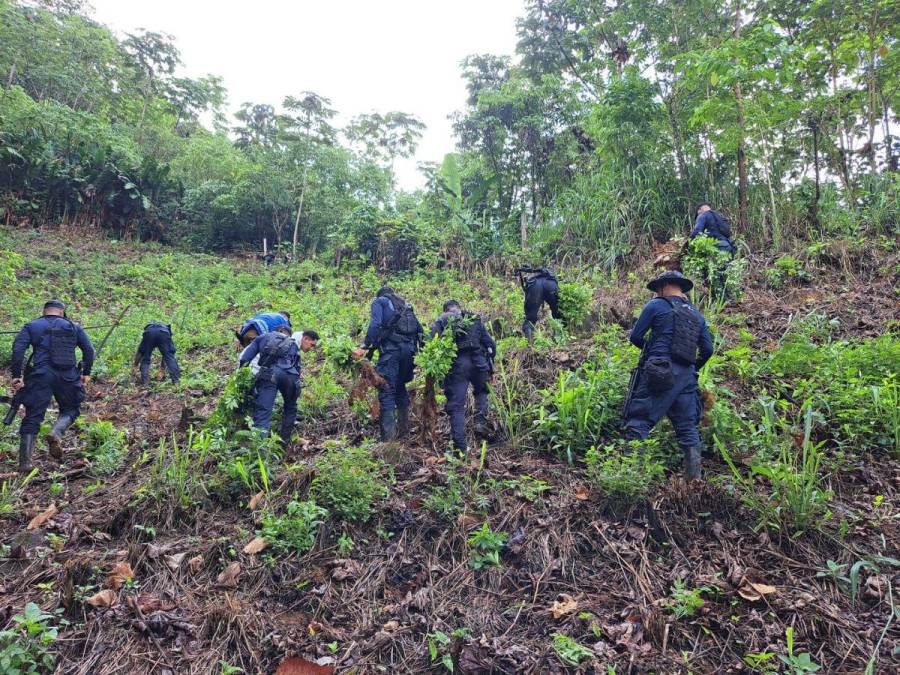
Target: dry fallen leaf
point(255, 500)
point(228, 576)
point(391, 625)
point(563, 605)
point(174, 560)
point(255, 546)
point(297, 666)
point(148, 603)
point(43, 517)
point(581, 493)
point(120, 574)
point(195, 563)
point(104, 598)
point(753, 592)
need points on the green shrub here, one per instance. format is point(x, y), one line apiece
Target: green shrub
point(485, 546)
point(350, 481)
point(625, 477)
point(295, 531)
point(569, 651)
point(339, 352)
point(106, 446)
point(585, 406)
point(787, 269)
point(25, 647)
point(233, 404)
point(706, 263)
point(575, 302)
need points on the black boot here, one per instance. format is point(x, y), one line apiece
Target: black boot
point(26, 450)
point(388, 425)
point(692, 462)
point(403, 422)
point(54, 438)
point(145, 375)
point(528, 330)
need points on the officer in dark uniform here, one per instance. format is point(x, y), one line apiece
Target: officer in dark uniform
point(52, 371)
point(279, 371)
point(396, 333)
point(475, 349)
point(157, 336)
point(540, 286)
point(667, 380)
point(713, 224)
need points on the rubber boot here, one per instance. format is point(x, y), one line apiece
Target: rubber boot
point(26, 450)
point(528, 330)
point(482, 427)
point(388, 425)
point(403, 422)
point(54, 438)
point(692, 462)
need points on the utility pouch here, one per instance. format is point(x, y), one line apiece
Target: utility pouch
point(659, 375)
point(62, 346)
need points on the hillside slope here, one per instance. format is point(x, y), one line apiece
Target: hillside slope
point(138, 550)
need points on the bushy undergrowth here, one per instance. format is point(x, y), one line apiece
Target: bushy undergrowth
point(351, 482)
point(625, 475)
point(575, 301)
point(106, 447)
point(296, 530)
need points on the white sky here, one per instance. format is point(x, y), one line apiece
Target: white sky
point(365, 55)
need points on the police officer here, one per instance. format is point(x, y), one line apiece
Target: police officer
point(475, 349)
point(713, 224)
point(52, 372)
point(667, 383)
point(157, 336)
point(396, 333)
point(279, 371)
point(261, 324)
point(540, 286)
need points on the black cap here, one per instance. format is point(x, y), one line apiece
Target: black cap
point(449, 304)
point(671, 278)
point(55, 304)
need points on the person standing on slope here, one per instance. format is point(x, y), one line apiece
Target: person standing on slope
point(540, 286)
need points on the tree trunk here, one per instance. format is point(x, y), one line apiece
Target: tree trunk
point(676, 137)
point(814, 210)
point(523, 230)
point(889, 157)
point(741, 155)
point(12, 75)
point(299, 213)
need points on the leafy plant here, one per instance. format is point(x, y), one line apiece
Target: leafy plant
point(574, 302)
point(25, 648)
point(787, 269)
point(797, 664)
point(625, 476)
point(686, 602)
point(233, 402)
point(339, 351)
point(569, 651)
point(435, 358)
point(295, 531)
point(351, 481)
point(106, 446)
point(485, 545)
point(438, 644)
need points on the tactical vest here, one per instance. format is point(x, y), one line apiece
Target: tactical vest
point(61, 342)
point(466, 332)
point(276, 351)
point(686, 329)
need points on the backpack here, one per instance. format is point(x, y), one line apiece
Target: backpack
point(686, 329)
point(403, 322)
point(277, 348)
point(723, 225)
point(62, 340)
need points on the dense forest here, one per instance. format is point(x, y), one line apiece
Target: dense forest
point(598, 136)
point(170, 534)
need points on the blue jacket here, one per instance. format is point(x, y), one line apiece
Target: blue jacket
point(710, 223)
point(380, 312)
point(33, 333)
point(272, 320)
point(655, 317)
point(290, 363)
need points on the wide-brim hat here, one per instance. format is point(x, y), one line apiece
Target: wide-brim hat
point(671, 278)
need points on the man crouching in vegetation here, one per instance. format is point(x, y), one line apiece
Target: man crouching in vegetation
point(52, 371)
point(396, 333)
point(157, 336)
point(667, 376)
point(475, 349)
point(279, 371)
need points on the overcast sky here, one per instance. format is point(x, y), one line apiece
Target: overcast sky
point(365, 55)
